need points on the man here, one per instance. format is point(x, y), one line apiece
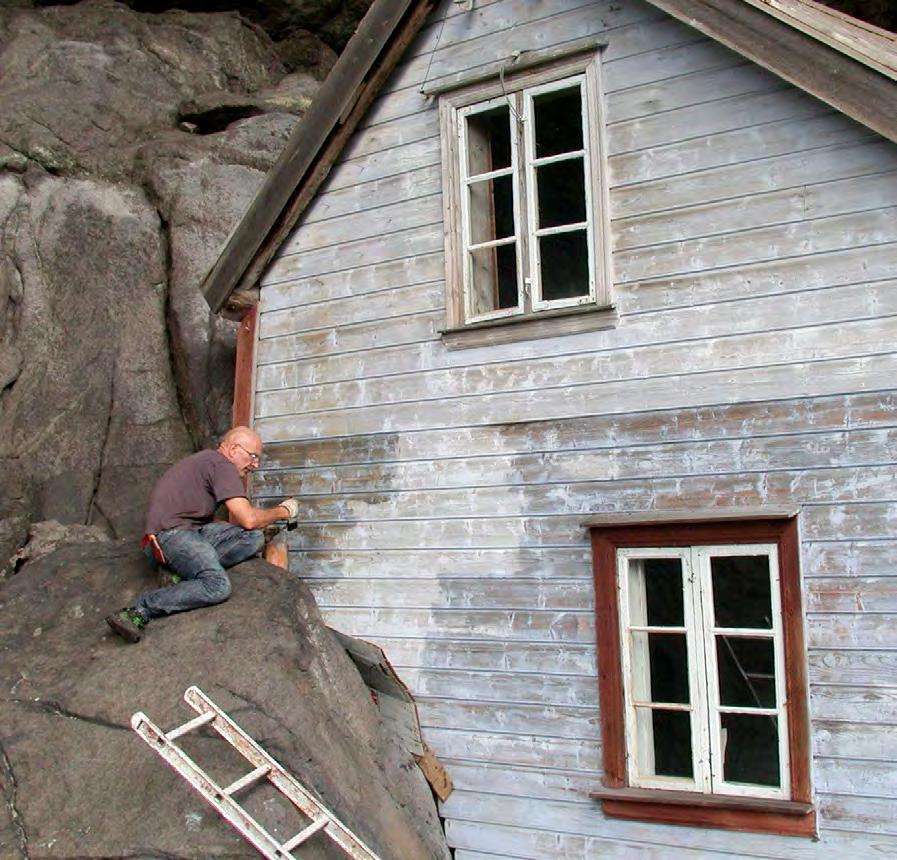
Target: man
point(181, 531)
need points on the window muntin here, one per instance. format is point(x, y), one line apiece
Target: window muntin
point(703, 670)
point(527, 201)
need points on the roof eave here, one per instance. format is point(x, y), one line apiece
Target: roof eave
point(344, 97)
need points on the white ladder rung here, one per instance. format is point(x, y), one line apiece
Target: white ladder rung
point(190, 725)
point(302, 835)
point(249, 779)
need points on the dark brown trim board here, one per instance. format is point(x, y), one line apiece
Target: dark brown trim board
point(244, 370)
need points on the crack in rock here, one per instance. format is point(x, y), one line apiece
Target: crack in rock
point(10, 788)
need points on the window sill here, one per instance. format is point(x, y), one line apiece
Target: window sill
point(758, 815)
point(546, 324)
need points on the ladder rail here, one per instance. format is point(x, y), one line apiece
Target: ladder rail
point(264, 767)
point(214, 794)
point(287, 784)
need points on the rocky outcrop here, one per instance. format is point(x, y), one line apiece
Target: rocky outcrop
point(78, 782)
point(132, 137)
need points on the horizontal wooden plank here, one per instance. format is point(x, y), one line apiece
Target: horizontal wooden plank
point(578, 694)
point(862, 814)
point(812, 201)
point(854, 740)
point(856, 484)
point(792, 453)
point(627, 365)
point(564, 659)
point(284, 329)
point(352, 255)
point(760, 313)
point(391, 275)
point(454, 593)
point(419, 123)
point(856, 594)
point(519, 625)
point(860, 778)
point(745, 423)
point(798, 274)
point(864, 669)
point(655, 842)
point(849, 698)
point(757, 244)
point(512, 719)
point(710, 388)
point(704, 181)
point(398, 564)
point(532, 750)
point(585, 820)
point(373, 195)
point(852, 630)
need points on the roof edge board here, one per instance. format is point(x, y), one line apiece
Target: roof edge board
point(334, 102)
point(844, 83)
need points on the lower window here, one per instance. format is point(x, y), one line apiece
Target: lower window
point(703, 673)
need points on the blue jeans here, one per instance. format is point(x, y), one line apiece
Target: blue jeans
point(199, 557)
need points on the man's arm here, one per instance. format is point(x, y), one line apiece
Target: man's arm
point(245, 514)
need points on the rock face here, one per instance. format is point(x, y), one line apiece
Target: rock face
point(78, 782)
point(131, 140)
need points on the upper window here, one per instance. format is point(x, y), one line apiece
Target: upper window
point(703, 674)
point(525, 200)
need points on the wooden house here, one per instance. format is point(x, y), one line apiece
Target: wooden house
point(573, 324)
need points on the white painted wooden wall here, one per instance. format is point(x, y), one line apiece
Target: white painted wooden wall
point(756, 277)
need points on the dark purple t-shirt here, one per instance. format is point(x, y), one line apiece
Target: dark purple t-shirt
point(186, 496)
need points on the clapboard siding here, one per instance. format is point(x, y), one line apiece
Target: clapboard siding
point(754, 243)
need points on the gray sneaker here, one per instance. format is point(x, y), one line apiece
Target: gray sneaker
point(128, 623)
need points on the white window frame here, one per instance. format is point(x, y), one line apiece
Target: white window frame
point(532, 316)
point(704, 705)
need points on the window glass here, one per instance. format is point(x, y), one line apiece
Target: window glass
point(741, 591)
point(750, 745)
point(561, 193)
point(564, 265)
point(672, 744)
point(488, 140)
point(558, 121)
point(663, 591)
point(746, 670)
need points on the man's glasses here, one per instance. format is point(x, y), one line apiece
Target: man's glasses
point(252, 455)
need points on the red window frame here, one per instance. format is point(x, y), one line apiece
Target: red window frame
point(796, 816)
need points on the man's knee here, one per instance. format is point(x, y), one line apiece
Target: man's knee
point(217, 586)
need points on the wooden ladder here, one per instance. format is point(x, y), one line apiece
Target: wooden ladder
point(264, 767)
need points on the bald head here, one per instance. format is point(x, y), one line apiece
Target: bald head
point(243, 447)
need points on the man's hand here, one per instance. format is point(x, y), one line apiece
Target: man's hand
point(292, 507)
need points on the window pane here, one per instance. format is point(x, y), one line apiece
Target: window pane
point(746, 672)
point(741, 591)
point(659, 666)
point(491, 209)
point(750, 749)
point(663, 592)
point(493, 279)
point(664, 743)
point(558, 121)
point(488, 140)
point(561, 190)
point(564, 260)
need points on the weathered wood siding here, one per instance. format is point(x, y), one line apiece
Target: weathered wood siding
point(755, 239)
